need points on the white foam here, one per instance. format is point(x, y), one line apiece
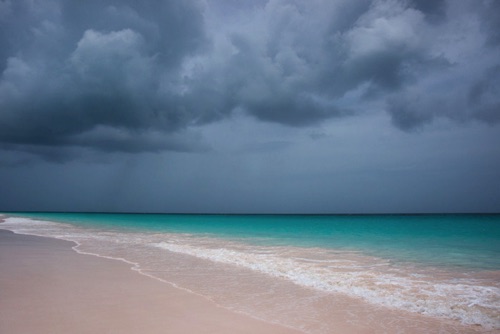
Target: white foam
point(461, 300)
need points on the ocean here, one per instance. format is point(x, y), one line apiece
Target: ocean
point(308, 271)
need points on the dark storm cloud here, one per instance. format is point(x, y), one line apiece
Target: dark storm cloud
point(296, 62)
point(92, 74)
point(491, 22)
point(435, 10)
point(484, 96)
point(464, 89)
point(476, 99)
point(134, 76)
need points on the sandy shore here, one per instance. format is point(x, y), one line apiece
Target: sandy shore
point(46, 287)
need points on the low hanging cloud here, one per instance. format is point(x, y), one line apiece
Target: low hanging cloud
point(477, 99)
point(128, 76)
point(92, 74)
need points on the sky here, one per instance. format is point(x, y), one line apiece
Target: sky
point(262, 106)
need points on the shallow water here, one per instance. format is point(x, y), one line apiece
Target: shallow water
point(311, 272)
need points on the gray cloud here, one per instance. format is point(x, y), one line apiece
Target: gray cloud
point(476, 100)
point(128, 76)
point(72, 68)
point(484, 97)
point(465, 86)
point(435, 10)
point(491, 21)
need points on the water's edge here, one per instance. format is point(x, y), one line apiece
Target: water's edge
point(134, 266)
point(370, 279)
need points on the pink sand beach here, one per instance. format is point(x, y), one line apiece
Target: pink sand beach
point(46, 287)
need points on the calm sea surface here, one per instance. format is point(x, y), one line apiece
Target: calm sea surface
point(444, 267)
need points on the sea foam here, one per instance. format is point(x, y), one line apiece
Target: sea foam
point(471, 301)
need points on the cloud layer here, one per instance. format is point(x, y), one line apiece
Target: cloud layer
point(134, 76)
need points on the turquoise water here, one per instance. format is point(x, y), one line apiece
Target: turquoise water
point(454, 241)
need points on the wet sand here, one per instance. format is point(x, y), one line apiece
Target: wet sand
point(46, 287)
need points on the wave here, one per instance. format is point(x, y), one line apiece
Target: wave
point(471, 301)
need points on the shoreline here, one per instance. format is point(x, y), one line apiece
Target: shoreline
point(336, 313)
point(47, 287)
